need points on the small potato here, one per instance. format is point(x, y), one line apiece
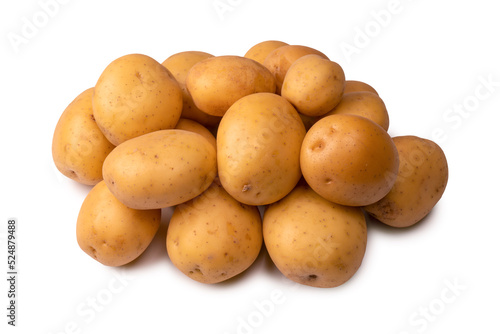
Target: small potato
point(349, 160)
point(259, 51)
point(365, 104)
point(358, 86)
point(190, 125)
point(160, 169)
point(112, 233)
point(213, 237)
point(216, 83)
point(179, 65)
point(313, 241)
point(314, 85)
point(258, 148)
point(136, 95)
point(279, 60)
point(421, 181)
point(78, 145)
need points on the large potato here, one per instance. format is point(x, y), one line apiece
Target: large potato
point(258, 148)
point(261, 50)
point(78, 145)
point(314, 85)
point(179, 65)
point(112, 233)
point(349, 160)
point(213, 237)
point(216, 83)
point(421, 181)
point(313, 241)
point(136, 95)
point(160, 169)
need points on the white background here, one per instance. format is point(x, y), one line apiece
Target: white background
point(427, 59)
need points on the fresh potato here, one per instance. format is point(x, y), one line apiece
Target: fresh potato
point(365, 104)
point(160, 169)
point(213, 237)
point(421, 181)
point(313, 241)
point(112, 233)
point(78, 145)
point(190, 125)
point(258, 148)
point(279, 60)
point(179, 65)
point(358, 86)
point(259, 51)
point(136, 95)
point(349, 160)
point(314, 85)
point(216, 83)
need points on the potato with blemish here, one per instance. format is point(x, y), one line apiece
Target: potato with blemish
point(213, 237)
point(112, 233)
point(261, 50)
point(160, 169)
point(313, 241)
point(78, 145)
point(420, 184)
point(135, 95)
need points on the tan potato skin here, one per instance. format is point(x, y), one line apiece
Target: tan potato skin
point(258, 148)
point(216, 83)
point(160, 169)
point(193, 126)
point(112, 233)
point(261, 50)
point(135, 95)
point(349, 160)
point(78, 145)
point(421, 182)
point(179, 65)
point(314, 85)
point(358, 86)
point(365, 104)
point(313, 241)
point(214, 237)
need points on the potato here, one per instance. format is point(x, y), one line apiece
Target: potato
point(358, 86)
point(349, 160)
point(213, 237)
point(78, 145)
point(112, 233)
point(422, 179)
point(258, 148)
point(160, 169)
point(365, 104)
point(136, 95)
point(190, 125)
point(279, 60)
point(259, 51)
point(179, 65)
point(314, 85)
point(216, 83)
point(313, 241)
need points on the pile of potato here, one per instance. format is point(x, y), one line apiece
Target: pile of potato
point(275, 147)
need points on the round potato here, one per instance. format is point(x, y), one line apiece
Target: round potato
point(313, 241)
point(365, 104)
point(314, 85)
point(358, 86)
point(190, 125)
point(78, 145)
point(259, 51)
point(279, 60)
point(179, 65)
point(349, 160)
point(160, 169)
point(135, 95)
point(214, 237)
point(421, 181)
point(258, 148)
point(112, 233)
point(216, 83)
